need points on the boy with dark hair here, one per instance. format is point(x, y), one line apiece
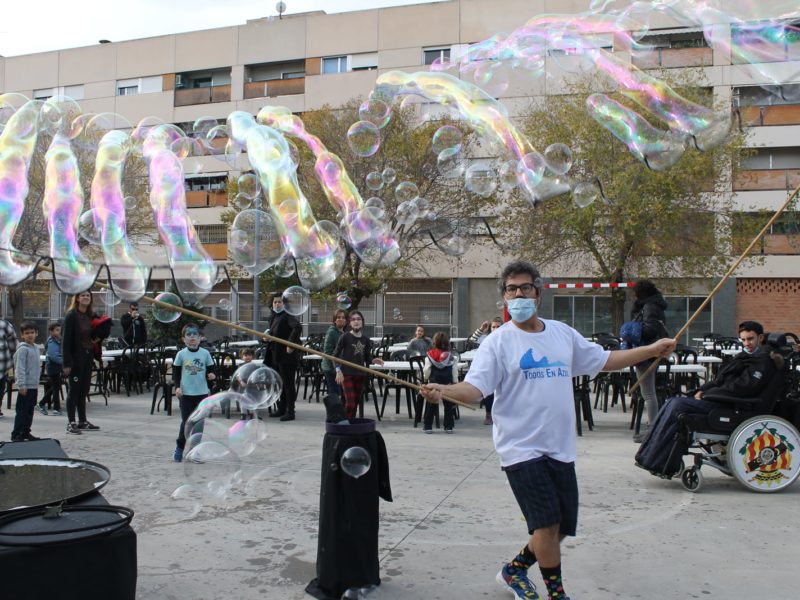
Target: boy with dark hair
point(26, 372)
point(52, 368)
point(192, 369)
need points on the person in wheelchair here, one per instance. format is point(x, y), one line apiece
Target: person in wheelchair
point(746, 376)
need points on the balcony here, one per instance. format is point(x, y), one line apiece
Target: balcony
point(762, 116)
point(669, 58)
point(217, 251)
point(275, 87)
point(205, 199)
point(203, 95)
point(772, 179)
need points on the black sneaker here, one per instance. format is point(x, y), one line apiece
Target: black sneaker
point(87, 426)
point(277, 415)
point(17, 438)
point(287, 417)
point(30, 437)
point(73, 428)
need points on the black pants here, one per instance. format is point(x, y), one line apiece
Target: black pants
point(188, 406)
point(80, 379)
point(654, 453)
point(52, 392)
point(433, 409)
point(289, 391)
point(24, 409)
point(488, 402)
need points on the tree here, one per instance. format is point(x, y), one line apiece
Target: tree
point(170, 333)
point(405, 147)
point(671, 223)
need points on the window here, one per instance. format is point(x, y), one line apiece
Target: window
point(587, 314)
point(130, 90)
point(767, 95)
point(773, 158)
point(786, 224)
point(207, 183)
point(432, 54)
point(43, 94)
point(293, 75)
point(201, 82)
point(212, 234)
point(366, 61)
point(680, 308)
point(687, 39)
point(334, 64)
point(74, 91)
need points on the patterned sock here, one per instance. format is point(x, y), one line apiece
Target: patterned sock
point(552, 580)
point(522, 561)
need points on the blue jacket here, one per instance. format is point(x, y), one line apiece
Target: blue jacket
point(54, 362)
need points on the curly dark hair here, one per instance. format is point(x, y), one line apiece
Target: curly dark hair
point(521, 267)
point(644, 288)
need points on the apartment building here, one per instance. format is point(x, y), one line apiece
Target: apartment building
point(305, 61)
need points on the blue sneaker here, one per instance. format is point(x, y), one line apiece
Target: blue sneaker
point(517, 583)
point(178, 455)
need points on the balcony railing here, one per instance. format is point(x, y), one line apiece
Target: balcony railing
point(217, 251)
point(772, 179)
point(761, 116)
point(673, 57)
point(772, 244)
point(205, 95)
point(203, 199)
point(275, 87)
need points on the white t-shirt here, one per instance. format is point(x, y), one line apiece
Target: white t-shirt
point(531, 377)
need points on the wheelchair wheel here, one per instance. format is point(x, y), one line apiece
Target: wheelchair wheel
point(692, 479)
point(764, 454)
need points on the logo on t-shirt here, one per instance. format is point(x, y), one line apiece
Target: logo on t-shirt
point(195, 366)
point(542, 368)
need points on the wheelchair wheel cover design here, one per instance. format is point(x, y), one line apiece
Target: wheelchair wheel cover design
point(762, 453)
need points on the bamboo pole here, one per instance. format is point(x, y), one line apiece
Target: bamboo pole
point(722, 281)
point(262, 335)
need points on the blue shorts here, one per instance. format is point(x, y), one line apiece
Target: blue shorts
point(547, 493)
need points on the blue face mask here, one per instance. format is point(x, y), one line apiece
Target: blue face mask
point(277, 311)
point(521, 309)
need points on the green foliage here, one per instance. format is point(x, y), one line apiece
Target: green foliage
point(656, 224)
point(406, 147)
point(170, 333)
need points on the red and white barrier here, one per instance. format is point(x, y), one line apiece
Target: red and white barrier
point(595, 285)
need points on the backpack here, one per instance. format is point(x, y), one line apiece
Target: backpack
point(631, 334)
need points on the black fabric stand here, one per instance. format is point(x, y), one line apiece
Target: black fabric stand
point(347, 550)
point(102, 568)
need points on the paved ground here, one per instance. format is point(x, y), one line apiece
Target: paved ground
point(452, 523)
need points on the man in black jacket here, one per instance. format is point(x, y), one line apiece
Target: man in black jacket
point(746, 376)
point(283, 358)
point(134, 329)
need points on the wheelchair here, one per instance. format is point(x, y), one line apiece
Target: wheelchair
point(745, 438)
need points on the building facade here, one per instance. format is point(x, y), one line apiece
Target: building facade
point(309, 60)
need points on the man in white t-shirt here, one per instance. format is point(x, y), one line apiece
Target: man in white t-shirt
point(529, 364)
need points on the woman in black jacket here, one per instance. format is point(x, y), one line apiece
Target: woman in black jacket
point(77, 354)
point(648, 309)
